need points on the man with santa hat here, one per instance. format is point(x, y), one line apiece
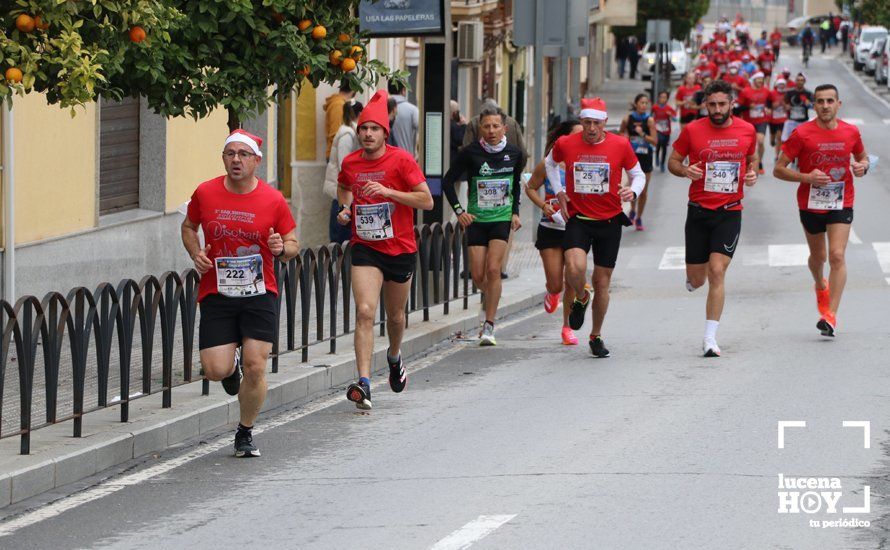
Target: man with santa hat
point(247, 224)
point(591, 199)
point(380, 186)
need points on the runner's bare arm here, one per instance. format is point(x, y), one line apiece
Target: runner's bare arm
point(783, 172)
point(860, 164)
point(344, 197)
point(677, 168)
point(652, 137)
point(535, 183)
point(193, 246)
point(751, 175)
point(419, 197)
point(291, 246)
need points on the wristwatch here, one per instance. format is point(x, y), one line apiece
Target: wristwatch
point(458, 209)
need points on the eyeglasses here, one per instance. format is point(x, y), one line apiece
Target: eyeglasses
point(243, 155)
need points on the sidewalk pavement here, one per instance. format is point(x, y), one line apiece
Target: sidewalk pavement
point(58, 459)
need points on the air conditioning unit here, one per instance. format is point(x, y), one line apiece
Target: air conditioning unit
point(470, 41)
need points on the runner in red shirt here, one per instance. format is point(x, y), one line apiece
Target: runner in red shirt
point(246, 225)
point(754, 104)
point(778, 115)
point(683, 99)
point(737, 81)
point(663, 114)
point(822, 148)
point(594, 160)
point(721, 59)
point(379, 188)
point(722, 152)
point(706, 68)
point(767, 60)
point(775, 40)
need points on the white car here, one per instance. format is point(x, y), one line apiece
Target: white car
point(866, 40)
point(679, 59)
point(882, 68)
point(873, 59)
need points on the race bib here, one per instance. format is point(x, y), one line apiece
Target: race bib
point(240, 277)
point(798, 112)
point(778, 112)
point(757, 111)
point(492, 192)
point(592, 178)
point(373, 222)
point(641, 147)
point(766, 65)
point(827, 197)
point(663, 126)
point(722, 177)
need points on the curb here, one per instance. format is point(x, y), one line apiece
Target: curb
point(58, 459)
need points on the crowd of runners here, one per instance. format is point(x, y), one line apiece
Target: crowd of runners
point(590, 185)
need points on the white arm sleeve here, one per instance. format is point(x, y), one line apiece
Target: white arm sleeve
point(552, 169)
point(637, 179)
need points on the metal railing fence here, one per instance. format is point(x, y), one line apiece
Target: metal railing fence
point(90, 337)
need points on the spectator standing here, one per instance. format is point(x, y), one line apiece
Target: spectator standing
point(633, 55)
point(333, 113)
point(345, 142)
point(621, 56)
point(407, 121)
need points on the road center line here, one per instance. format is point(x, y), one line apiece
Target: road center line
point(114, 485)
point(476, 530)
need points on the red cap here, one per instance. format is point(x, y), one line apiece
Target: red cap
point(375, 111)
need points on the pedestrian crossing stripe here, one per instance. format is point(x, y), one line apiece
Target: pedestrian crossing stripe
point(774, 255)
point(883, 252)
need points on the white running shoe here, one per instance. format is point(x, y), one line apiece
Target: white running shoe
point(710, 348)
point(689, 286)
point(487, 338)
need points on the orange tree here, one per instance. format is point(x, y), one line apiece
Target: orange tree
point(187, 57)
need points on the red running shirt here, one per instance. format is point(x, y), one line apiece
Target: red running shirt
point(723, 153)
point(777, 103)
point(683, 94)
point(755, 99)
point(827, 150)
point(237, 225)
point(599, 167)
point(662, 115)
point(385, 226)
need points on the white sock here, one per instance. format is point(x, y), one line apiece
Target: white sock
point(711, 329)
point(689, 286)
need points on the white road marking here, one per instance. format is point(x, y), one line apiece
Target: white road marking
point(854, 121)
point(883, 252)
point(674, 257)
point(472, 532)
point(114, 485)
point(754, 256)
point(888, 280)
point(788, 255)
point(887, 121)
point(854, 238)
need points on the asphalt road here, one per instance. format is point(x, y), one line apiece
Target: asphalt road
point(535, 445)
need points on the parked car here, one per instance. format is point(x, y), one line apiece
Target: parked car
point(874, 57)
point(864, 42)
point(883, 64)
point(791, 30)
point(679, 59)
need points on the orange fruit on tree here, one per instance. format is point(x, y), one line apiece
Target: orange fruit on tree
point(25, 23)
point(336, 57)
point(14, 74)
point(137, 34)
point(343, 37)
point(356, 53)
point(304, 24)
point(40, 24)
point(347, 65)
point(305, 70)
point(279, 18)
point(319, 32)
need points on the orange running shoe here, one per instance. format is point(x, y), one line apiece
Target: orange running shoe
point(551, 302)
point(568, 337)
point(827, 324)
point(823, 298)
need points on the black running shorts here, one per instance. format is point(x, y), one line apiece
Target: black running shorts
point(687, 118)
point(398, 268)
point(776, 127)
point(645, 162)
point(549, 238)
point(709, 231)
point(816, 223)
point(227, 320)
point(760, 127)
point(479, 233)
point(603, 236)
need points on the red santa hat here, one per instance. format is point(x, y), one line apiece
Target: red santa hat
point(593, 107)
point(242, 136)
point(375, 111)
point(757, 75)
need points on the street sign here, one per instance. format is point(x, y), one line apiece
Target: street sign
point(658, 30)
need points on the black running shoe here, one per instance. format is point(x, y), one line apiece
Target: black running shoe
point(244, 447)
point(598, 347)
point(398, 376)
point(360, 394)
point(576, 316)
point(232, 382)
